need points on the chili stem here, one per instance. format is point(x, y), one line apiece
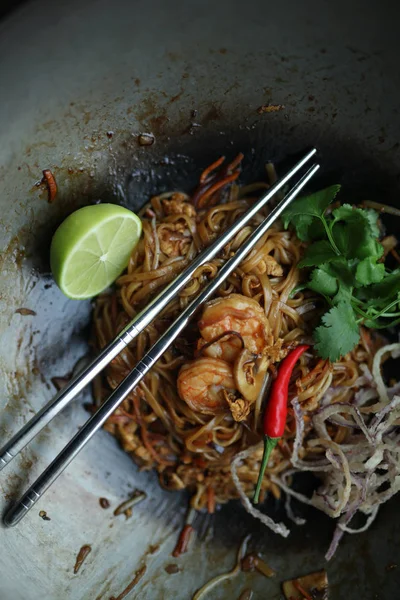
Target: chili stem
point(269, 445)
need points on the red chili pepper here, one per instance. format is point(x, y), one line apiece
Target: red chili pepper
point(276, 410)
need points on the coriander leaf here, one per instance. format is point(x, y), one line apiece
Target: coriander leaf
point(383, 292)
point(371, 248)
point(323, 283)
point(344, 294)
point(335, 279)
point(303, 225)
point(318, 253)
point(369, 271)
point(347, 212)
point(354, 239)
point(343, 270)
point(354, 231)
point(316, 230)
point(350, 213)
point(339, 332)
point(372, 217)
point(313, 205)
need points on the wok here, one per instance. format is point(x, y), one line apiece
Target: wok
point(79, 81)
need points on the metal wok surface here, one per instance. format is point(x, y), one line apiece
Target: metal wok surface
point(79, 82)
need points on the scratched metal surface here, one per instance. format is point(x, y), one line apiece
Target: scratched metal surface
point(79, 82)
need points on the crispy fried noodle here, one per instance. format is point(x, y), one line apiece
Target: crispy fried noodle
point(197, 416)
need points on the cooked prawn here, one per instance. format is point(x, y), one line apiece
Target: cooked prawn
point(201, 384)
point(240, 315)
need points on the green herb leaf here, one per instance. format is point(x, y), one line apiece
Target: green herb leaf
point(303, 212)
point(372, 217)
point(354, 231)
point(317, 254)
point(323, 283)
point(345, 294)
point(345, 251)
point(352, 214)
point(304, 225)
point(344, 271)
point(369, 271)
point(334, 280)
point(314, 204)
point(339, 332)
point(382, 293)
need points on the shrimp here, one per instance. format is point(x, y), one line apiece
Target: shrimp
point(201, 384)
point(237, 314)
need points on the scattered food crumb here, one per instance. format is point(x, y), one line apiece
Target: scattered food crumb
point(82, 555)
point(43, 515)
point(125, 506)
point(308, 587)
point(25, 312)
point(171, 569)
point(48, 178)
point(138, 576)
point(391, 566)
point(253, 562)
point(269, 108)
point(183, 541)
point(146, 139)
point(128, 513)
point(104, 503)
point(110, 134)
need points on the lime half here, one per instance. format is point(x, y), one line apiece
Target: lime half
point(92, 247)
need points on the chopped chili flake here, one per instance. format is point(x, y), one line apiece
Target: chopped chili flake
point(183, 541)
point(48, 178)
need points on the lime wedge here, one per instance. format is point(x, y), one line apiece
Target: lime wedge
point(92, 247)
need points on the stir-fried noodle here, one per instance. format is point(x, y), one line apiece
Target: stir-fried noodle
point(201, 405)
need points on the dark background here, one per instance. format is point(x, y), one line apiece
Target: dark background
point(7, 6)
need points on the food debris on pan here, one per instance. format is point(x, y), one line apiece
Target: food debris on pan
point(269, 108)
point(82, 555)
point(104, 503)
point(146, 139)
point(126, 506)
point(183, 541)
point(43, 515)
point(309, 587)
point(252, 562)
point(171, 569)
point(138, 576)
point(48, 179)
point(26, 312)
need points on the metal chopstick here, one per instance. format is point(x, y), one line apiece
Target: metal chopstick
point(19, 510)
point(134, 328)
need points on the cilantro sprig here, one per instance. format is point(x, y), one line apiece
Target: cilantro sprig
point(344, 256)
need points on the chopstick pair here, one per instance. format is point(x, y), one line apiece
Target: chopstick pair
point(44, 416)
